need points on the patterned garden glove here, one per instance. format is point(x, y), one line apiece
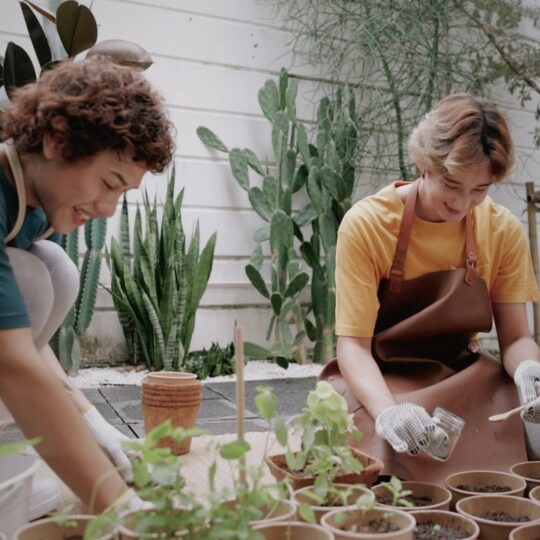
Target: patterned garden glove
point(527, 379)
point(110, 440)
point(407, 427)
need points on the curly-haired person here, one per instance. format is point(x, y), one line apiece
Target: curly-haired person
point(74, 142)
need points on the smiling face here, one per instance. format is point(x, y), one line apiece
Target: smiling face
point(443, 198)
point(72, 193)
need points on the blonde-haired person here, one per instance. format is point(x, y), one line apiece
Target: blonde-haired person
point(421, 268)
point(75, 141)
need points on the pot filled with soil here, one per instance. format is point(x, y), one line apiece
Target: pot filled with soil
point(526, 532)
point(353, 523)
point(468, 483)
point(371, 468)
point(72, 528)
point(443, 525)
point(349, 496)
point(174, 396)
point(293, 530)
point(498, 515)
point(534, 494)
point(422, 495)
point(530, 471)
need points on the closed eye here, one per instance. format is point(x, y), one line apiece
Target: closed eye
point(107, 185)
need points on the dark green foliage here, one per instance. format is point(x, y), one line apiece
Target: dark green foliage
point(212, 362)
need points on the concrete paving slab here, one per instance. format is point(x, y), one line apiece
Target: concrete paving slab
point(129, 411)
point(108, 412)
point(94, 395)
point(117, 394)
point(216, 409)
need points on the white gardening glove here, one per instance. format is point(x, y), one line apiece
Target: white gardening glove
point(110, 440)
point(527, 379)
point(129, 502)
point(407, 427)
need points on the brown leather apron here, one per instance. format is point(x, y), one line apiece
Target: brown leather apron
point(424, 343)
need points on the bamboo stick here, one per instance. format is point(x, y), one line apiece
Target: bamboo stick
point(533, 242)
point(240, 395)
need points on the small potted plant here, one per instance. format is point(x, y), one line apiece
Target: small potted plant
point(443, 525)
point(324, 428)
point(530, 471)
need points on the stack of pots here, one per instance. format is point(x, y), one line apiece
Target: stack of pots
point(174, 396)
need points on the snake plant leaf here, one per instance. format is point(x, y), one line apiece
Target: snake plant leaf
point(203, 271)
point(296, 285)
point(123, 52)
point(269, 99)
point(154, 319)
point(256, 258)
point(290, 99)
point(253, 161)
point(257, 280)
point(259, 203)
point(209, 138)
point(262, 234)
point(124, 230)
point(277, 301)
point(86, 300)
point(252, 350)
point(37, 35)
point(306, 215)
point(18, 68)
point(239, 167)
point(76, 27)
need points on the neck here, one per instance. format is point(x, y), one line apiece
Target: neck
point(31, 166)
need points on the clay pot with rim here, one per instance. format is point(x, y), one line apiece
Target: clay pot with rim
point(51, 529)
point(526, 532)
point(474, 507)
point(534, 494)
point(354, 517)
point(174, 396)
point(439, 495)
point(447, 519)
point(300, 496)
point(284, 510)
point(293, 530)
point(372, 467)
point(483, 478)
point(530, 471)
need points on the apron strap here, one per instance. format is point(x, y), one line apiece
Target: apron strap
point(397, 271)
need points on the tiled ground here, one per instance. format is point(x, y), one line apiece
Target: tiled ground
point(121, 406)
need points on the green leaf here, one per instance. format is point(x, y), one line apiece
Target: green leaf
point(37, 35)
point(309, 255)
point(282, 362)
point(282, 433)
point(296, 284)
point(256, 258)
point(76, 27)
point(306, 512)
point(252, 350)
point(239, 167)
point(269, 99)
point(234, 450)
point(253, 161)
point(259, 203)
point(300, 178)
point(257, 280)
point(306, 215)
point(314, 190)
point(311, 331)
point(18, 68)
point(17, 446)
point(266, 402)
point(209, 138)
point(302, 142)
point(290, 99)
point(276, 300)
point(262, 234)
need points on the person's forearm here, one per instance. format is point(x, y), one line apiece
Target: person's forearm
point(27, 386)
point(524, 348)
point(363, 376)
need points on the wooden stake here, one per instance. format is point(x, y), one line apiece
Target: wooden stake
point(532, 198)
point(240, 395)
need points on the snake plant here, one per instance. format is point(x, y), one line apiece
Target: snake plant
point(157, 286)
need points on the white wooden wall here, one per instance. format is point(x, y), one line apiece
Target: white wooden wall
point(210, 59)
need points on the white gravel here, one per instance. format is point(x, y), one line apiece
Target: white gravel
point(254, 371)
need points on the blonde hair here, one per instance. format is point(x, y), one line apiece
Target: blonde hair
point(459, 132)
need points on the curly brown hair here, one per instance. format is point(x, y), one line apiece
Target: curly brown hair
point(92, 106)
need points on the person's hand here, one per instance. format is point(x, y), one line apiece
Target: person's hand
point(407, 427)
point(527, 379)
point(110, 440)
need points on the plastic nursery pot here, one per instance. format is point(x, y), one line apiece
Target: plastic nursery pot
point(51, 529)
point(128, 528)
point(404, 523)
point(300, 496)
point(293, 530)
point(372, 467)
point(445, 519)
point(280, 511)
point(483, 508)
point(468, 483)
point(424, 496)
point(530, 471)
point(526, 532)
point(534, 494)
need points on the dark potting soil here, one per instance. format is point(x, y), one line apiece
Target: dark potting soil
point(413, 499)
point(377, 526)
point(484, 488)
point(504, 517)
point(429, 530)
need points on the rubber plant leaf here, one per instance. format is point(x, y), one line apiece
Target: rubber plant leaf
point(41, 10)
point(18, 68)
point(76, 27)
point(37, 35)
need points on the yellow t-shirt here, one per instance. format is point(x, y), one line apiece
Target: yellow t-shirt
point(367, 241)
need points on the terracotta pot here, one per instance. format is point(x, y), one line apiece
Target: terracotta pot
point(530, 471)
point(448, 519)
point(483, 478)
point(372, 468)
point(526, 532)
point(440, 496)
point(50, 529)
point(300, 497)
point(354, 517)
point(534, 494)
point(281, 511)
point(473, 507)
point(293, 530)
point(171, 396)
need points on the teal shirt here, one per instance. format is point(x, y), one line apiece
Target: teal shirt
point(12, 308)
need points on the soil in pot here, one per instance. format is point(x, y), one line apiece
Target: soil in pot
point(430, 530)
point(504, 517)
point(376, 526)
point(484, 488)
point(415, 500)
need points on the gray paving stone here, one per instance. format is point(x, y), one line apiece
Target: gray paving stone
point(117, 394)
point(108, 413)
point(94, 395)
point(124, 428)
point(129, 411)
point(216, 409)
point(229, 426)
point(138, 429)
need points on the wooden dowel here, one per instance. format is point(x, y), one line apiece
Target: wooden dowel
point(240, 395)
point(533, 243)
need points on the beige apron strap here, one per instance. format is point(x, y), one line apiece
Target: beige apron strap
point(16, 169)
